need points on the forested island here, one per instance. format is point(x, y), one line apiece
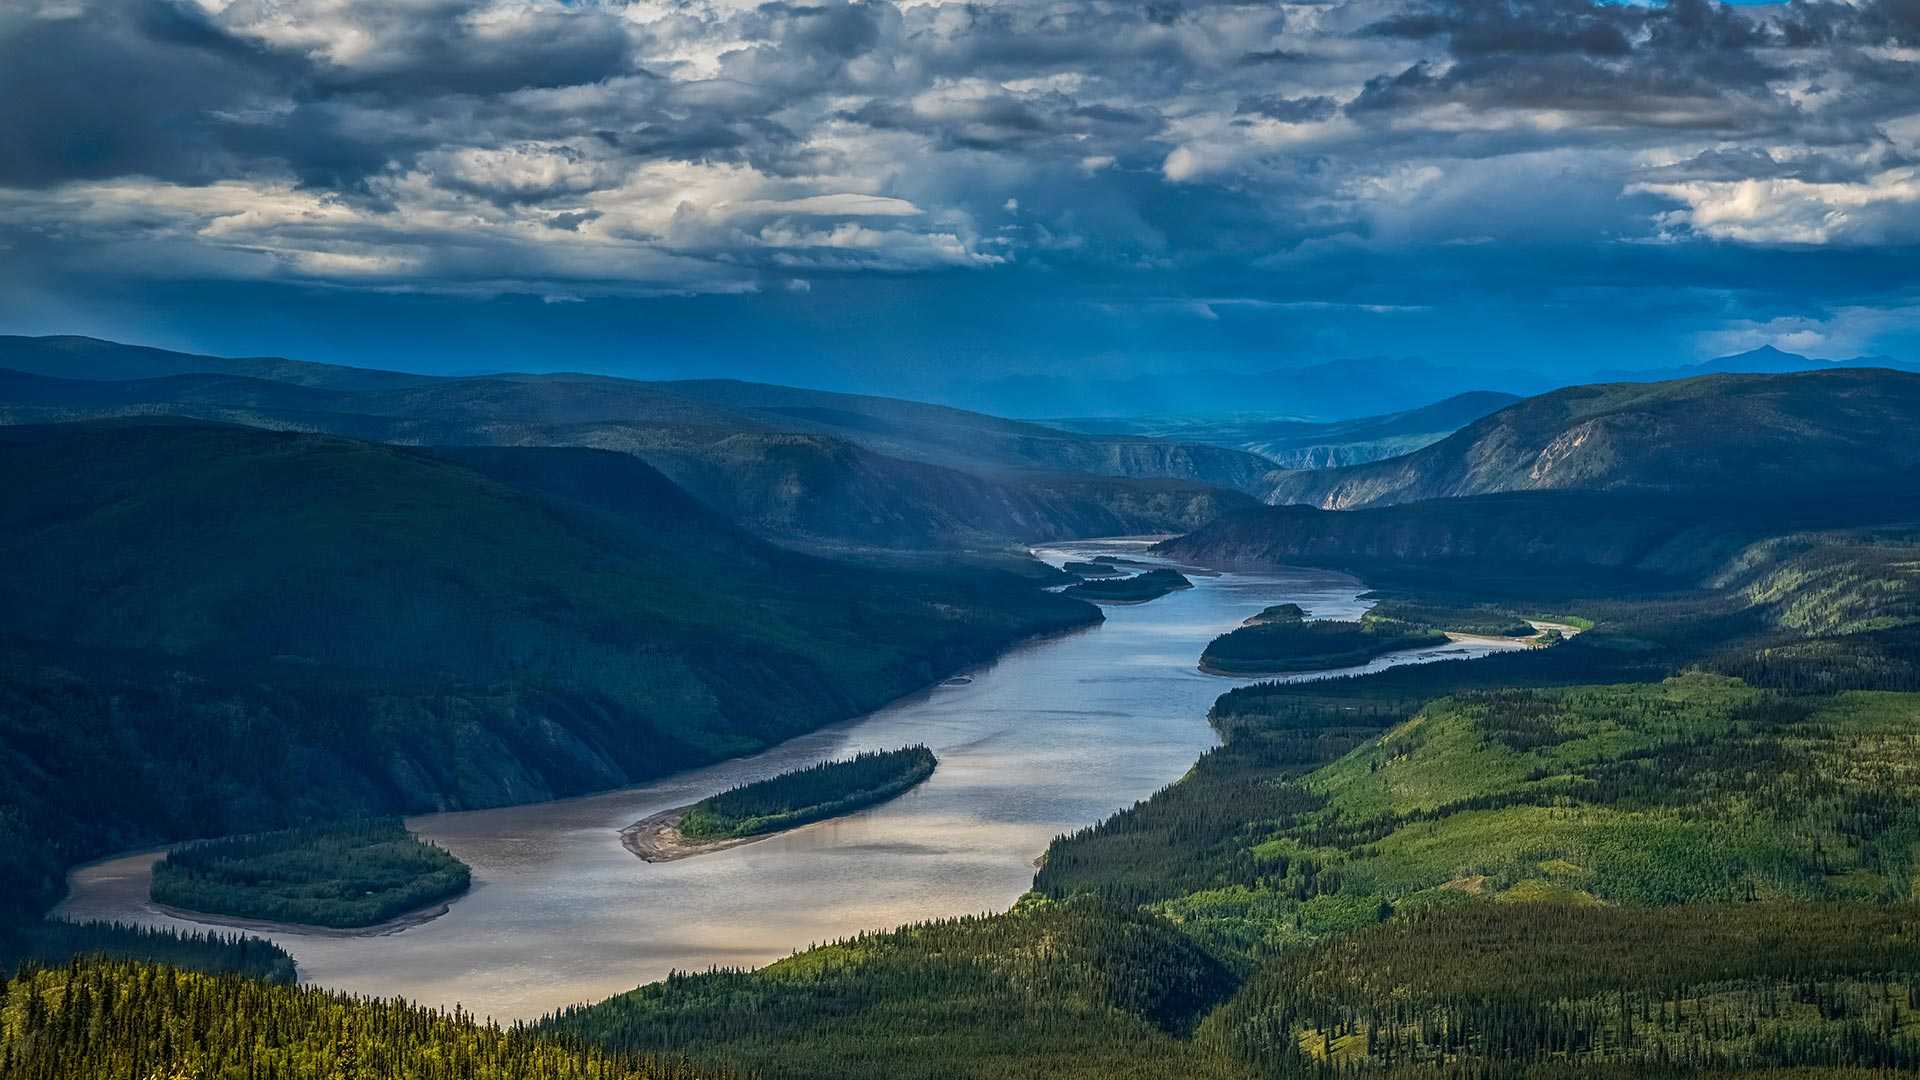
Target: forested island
point(1278, 613)
point(787, 801)
point(1484, 620)
point(345, 875)
point(1138, 589)
point(1287, 642)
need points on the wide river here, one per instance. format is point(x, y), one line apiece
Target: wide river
point(1052, 736)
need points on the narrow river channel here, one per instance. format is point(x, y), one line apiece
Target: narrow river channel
point(1054, 735)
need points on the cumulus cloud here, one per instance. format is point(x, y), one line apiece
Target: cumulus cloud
point(1879, 209)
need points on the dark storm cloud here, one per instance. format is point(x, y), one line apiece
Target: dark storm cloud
point(1291, 110)
point(1542, 26)
point(127, 89)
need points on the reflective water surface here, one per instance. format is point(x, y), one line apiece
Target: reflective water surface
point(1053, 736)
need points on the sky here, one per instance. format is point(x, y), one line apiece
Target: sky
point(912, 197)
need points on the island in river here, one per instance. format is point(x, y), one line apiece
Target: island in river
point(1287, 644)
point(340, 875)
point(742, 814)
point(1133, 590)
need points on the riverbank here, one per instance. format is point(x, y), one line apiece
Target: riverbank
point(1538, 637)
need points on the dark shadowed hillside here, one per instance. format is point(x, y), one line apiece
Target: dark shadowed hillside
point(799, 465)
point(209, 629)
point(71, 357)
point(1760, 434)
point(1536, 536)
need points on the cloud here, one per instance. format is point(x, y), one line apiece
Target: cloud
point(1845, 334)
point(1880, 209)
point(584, 146)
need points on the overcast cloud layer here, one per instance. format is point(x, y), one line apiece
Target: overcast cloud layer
point(1218, 183)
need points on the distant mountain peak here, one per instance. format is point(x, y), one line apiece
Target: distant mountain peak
point(1764, 352)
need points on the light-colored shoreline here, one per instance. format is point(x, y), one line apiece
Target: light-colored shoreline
point(404, 921)
point(1538, 636)
point(658, 839)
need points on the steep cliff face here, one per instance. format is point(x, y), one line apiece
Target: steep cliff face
point(1597, 536)
point(1339, 455)
point(1847, 429)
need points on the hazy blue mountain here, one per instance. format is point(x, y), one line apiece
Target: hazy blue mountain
point(1765, 360)
point(1348, 388)
point(1308, 444)
point(72, 357)
point(1341, 389)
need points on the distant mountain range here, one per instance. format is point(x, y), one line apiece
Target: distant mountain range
point(1656, 483)
point(799, 465)
point(1341, 389)
point(1809, 432)
point(1308, 444)
point(1765, 360)
point(1334, 390)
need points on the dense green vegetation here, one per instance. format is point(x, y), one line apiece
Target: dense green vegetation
point(1092, 569)
point(210, 630)
point(1278, 613)
point(1272, 647)
point(815, 793)
point(1475, 833)
point(1074, 989)
point(50, 943)
point(95, 1019)
point(342, 875)
point(1480, 987)
point(1149, 585)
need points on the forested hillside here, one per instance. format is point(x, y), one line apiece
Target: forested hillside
point(101, 1018)
point(218, 629)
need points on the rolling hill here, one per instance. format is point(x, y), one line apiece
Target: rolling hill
point(207, 629)
point(799, 465)
point(1762, 435)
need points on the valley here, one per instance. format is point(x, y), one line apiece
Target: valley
point(560, 913)
point(1627, 704)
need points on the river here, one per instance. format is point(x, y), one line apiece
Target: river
point(1052, 736)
